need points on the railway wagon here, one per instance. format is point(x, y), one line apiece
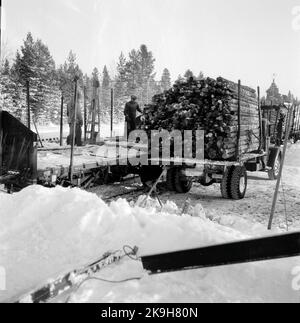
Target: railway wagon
point(24, 164)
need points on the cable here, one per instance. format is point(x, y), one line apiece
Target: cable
point(102, 280)
point(129, 252)
point(132, 252)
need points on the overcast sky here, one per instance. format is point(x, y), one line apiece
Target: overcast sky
point(246, 39)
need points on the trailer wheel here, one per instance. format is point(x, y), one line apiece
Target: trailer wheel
point(274, 172)
point(183, 184)
point(171, 179)
point(225, 184)
point(239, 181)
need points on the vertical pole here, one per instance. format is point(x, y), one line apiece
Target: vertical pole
point(28, 103)
point(288, 129)
point(239, 121)
point(112, 113)
point(85, 112)
point(0, 30)
point(61, 120)
point(73, 131)
point(260, 119)
point(93, 126)
point(1, 128)
point(99, 116)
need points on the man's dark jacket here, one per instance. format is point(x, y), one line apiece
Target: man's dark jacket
point(130, 111)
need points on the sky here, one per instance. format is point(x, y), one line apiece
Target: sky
point(251, 40)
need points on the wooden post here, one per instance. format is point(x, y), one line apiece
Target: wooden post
point(1, 128)
point(239, 122)
point(61, 120)
point(73, 131)
point(260, 119)
point(85, 112)
point(28, 103)
point(99, 115)
point(288, 129)
point(93, 125)
point(112, 113)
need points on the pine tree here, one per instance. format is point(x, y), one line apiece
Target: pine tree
point(200, 76)
point(105, 94)
point(188, 74)
point(35, 66)
point(6, 88)
point(120, 88)
point(166, 80)
point(180, 79)
point(132, 72)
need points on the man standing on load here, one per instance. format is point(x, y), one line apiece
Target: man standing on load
point(131, 109)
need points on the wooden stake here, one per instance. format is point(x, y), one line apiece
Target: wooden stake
point(85, 113)
point(61, 120)
point(28, 104)
point(73, 131)
point(112, 113)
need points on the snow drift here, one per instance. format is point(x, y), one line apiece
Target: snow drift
point(46, 232)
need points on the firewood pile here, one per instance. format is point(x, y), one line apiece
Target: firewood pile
point(209, 105)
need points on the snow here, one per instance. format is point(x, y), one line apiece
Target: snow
point(53, 131)
point(46, 232)
point(83, 155)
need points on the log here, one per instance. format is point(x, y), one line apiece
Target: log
point(210, 105)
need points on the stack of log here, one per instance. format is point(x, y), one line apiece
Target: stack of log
point(213, 106)
point(276, 118)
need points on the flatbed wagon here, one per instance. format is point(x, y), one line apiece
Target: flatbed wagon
point(23, 163)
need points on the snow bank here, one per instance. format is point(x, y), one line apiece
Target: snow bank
point(45, 232)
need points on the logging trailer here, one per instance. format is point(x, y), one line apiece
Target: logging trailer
point(231, 174)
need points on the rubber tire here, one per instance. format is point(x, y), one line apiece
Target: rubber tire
point(225, 184)
point(171, 180)
point(273, 175)
point(236, 191)
point(183, 184)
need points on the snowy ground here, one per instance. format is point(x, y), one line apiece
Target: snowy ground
point(53, 131)
point(47, 232)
